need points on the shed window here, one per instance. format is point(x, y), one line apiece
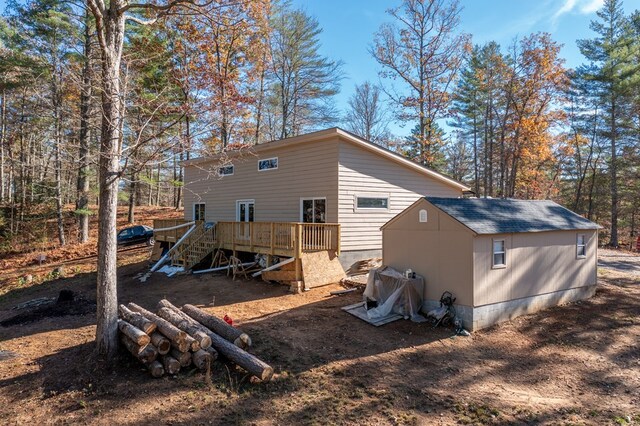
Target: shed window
point(581, 246)
point(372, 202)
point(226, 170)
point(499, 254)
point(268, 164)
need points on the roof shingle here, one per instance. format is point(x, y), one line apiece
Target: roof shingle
point(505, 216)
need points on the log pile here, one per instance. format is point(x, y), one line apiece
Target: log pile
point(174, 338)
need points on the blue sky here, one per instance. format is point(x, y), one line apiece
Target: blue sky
point(349, 25)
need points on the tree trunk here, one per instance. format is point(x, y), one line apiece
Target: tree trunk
point(137, 319)
point(134, 333)
point(183, 324)
point(82, 186)
point(3, 129)
point(112, 35)
point(218, 326)
point(244, 359)
point(177, 336)
point(132, 198)
point(614, 177)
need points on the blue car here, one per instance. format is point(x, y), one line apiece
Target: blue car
point(136, 235)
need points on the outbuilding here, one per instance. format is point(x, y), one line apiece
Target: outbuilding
point(501, 258)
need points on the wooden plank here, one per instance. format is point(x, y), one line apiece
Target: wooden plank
point(281, 276)
point(321, 268)
point(272, 267)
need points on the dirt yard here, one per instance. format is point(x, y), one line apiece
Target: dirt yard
point(576, 364)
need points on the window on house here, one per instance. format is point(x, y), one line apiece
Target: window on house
point(225, 171)
point(581, 246)
point(372, 202)
point(314, 210)
point(198, 211)
point(268, 163)
point(499, 254)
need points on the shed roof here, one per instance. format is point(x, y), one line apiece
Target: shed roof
point(505, 216)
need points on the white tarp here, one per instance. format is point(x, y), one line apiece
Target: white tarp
point(395, 294)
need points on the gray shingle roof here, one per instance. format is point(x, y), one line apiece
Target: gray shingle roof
point(505, 216)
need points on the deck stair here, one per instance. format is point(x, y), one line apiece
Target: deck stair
point(195, 247)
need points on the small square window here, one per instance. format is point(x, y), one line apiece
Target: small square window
point(499, 254)
point(581, 246)
point(268, 164)
point(226, 170)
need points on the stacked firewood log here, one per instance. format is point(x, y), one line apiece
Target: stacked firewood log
point(175, 338)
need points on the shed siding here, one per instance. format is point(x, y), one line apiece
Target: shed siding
point(440, 250)
point(305, 170)
point(364, 173)
point(537, 263)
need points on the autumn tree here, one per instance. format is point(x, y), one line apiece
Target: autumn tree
point(423, 50)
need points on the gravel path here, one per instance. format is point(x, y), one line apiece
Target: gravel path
point(621, 261)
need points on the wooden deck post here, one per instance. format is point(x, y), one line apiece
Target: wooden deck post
point(338, 241)
point(298, 250)
point(251, 235)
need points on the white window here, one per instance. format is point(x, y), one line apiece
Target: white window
point(581, 246)
point(499, 254)
point(422, 216)
point(226, 170)
point(198, 211)
point(372, 202)
point(268, 164)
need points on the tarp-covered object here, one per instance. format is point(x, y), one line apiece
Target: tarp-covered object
point(395, 294)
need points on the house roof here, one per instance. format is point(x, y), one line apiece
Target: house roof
point(505, 216)
point(345, 136)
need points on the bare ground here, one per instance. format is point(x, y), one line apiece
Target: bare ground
point(575, 364)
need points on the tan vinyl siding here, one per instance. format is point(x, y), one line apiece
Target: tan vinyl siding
point(305, 170)
point(362, 172)
point(439, 250)
point(537, 263)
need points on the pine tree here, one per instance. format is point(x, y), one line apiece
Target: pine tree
point(610, 55)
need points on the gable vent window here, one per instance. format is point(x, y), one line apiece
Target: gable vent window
point(499, 254)
point(581, 246)
point(268, 164)
point(225, 171)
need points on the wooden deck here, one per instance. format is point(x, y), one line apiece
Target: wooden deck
point(289, 239)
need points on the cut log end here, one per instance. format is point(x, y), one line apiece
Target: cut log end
point(156, 369)
point(267, 374)
point(243, 341)
point(162, 344)
point(202, 359)
point(170, 364)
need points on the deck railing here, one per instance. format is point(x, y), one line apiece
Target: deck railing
point(275, 238)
